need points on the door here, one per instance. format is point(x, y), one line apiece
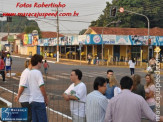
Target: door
point(116, 52)
point(135, 52)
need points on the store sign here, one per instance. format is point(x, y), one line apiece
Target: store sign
point(96, 39)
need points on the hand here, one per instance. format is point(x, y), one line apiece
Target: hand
point(161, 118)
point(16, 99)
point(46, 101)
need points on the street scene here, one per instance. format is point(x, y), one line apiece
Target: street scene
point(81, 61)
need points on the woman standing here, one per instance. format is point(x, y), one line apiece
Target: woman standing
point(132, 64)
point(150, 90)
point(112, 88)
point(138, 88)
point(23, 91)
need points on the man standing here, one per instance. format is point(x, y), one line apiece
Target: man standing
point(38, 97)
point(76, 93)
point(8, 63)
point(109, 74)
point(128, 106)
point(96, 102)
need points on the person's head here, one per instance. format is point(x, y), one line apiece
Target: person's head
point(76, 75)
point(136, 80)
point(153, 58)
point(133, 60)
point(113, 81)
point(8, 55)
point(149, 79)
point(45, 61)
point(2, 57)
point(110, 73)
point(126, 83)
point(36, 60)
point(100, 84)
point(28, 64)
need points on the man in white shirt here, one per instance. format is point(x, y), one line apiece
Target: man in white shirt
point(38, 97)
point(76, 93)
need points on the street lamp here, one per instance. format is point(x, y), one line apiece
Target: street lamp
point(113, 22)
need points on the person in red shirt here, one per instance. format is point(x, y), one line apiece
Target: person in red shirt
point(2, 68)
point(46, 66)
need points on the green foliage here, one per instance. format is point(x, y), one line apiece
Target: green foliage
point(82, 32)
point(29, 29)
point(17, 25)
point(153, 9)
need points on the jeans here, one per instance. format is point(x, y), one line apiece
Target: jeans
point(28, 106)
point(45, 70)
point(38, 112)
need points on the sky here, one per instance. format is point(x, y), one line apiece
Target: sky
point(88, 10)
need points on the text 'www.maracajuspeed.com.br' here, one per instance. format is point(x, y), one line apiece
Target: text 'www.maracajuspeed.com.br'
point(38, 14)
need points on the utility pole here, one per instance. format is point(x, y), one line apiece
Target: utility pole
point(57, 36)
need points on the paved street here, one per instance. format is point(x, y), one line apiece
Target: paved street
point(58, 75)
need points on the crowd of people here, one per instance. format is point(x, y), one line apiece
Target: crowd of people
point(110, 101)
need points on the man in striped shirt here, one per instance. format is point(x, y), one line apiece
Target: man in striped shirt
point(96, 102)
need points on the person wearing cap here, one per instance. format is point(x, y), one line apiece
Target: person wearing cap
point(8, 63)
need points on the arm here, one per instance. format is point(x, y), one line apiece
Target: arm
point(72, 97)
point(69, 97)
point(147, 111)
point(42, 89)
point(65, 96)
point(149, 95)
point(20, 91)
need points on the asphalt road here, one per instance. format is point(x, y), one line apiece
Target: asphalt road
point(58, 75)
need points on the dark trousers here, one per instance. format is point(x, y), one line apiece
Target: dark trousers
point(132, 71)
point(39, 112)
point(2, 72)
point(28, 106)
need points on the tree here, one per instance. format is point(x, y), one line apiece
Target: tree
point(82, 32)
point(153, 9)
point(17, 25)
point(29, 29)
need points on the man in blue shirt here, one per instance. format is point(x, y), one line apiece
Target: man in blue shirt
point(96, 102)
